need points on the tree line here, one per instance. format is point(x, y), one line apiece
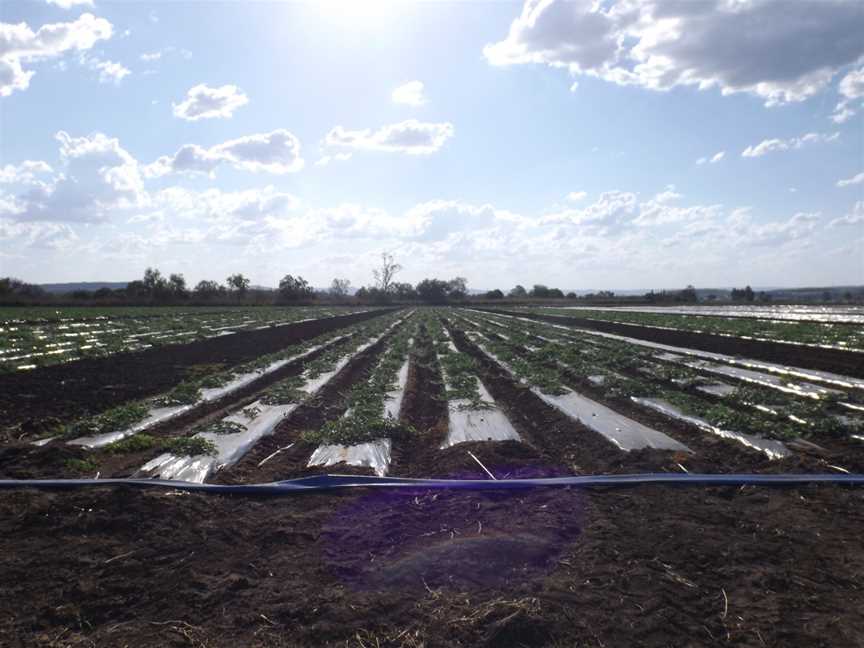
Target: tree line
point(154, 288)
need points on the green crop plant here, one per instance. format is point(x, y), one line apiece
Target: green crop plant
point(117, 418)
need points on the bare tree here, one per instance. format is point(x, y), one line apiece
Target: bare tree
point(385, 274)
point(340, 287)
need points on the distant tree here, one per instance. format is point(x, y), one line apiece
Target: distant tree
point(177, 285)
point(154, 282)
point(518, 292)
point(826, 295)
point(340, 287)
point(362, 293)
point(494, 294)
point(12, 286)
point(403, 291)
point(385, 274)
point(433, 291)
point(208, 289)
point(294, 289)
point(688, 295)
point(746, 294)
point(457, 288)
point(571, 295)
point(539, 291)
point(238, 284)
point(136, 289)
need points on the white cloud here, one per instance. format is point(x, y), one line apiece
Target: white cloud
point(779, 51)
point(275, 152)
point(20, 44)
point(851, 87)
point(109, 71)
point(44, 236)
point(410, 136)
point(793, 143)
point(854, 217)
point(576, 196)
point(97, 177)
point(68, 4)
point(24, 173)
point(714, 159)
point(324, 160)
point(410, 93)
point(204, 102)
point(156, 55)
point(854, 180)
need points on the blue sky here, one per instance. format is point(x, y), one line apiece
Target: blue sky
point(576, 144)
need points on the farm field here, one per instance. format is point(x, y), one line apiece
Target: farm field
point(434, 392)
point(42, 336)
point(791, 312)
point(842, 327)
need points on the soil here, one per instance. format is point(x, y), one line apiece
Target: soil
point(648, 566)
point(38, 400)
point(644, 566)
point(849, 363)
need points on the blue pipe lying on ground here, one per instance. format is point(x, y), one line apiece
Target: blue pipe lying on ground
point(330, 482)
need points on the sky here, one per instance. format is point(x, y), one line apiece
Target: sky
point(587, 144)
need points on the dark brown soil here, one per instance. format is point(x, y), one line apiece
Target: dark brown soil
point(849, 363)
point(649, 566)
point(38, 400)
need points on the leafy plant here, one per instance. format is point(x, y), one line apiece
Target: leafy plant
point(117, 418)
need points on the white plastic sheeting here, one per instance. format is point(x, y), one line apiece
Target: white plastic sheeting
point(794, 313)
point(717, 389)
point(487, 423)
point(161, 414)
point(803, 389)
point(374, 454)
point(835, 379)
point(624, 432)
point(773, 449)
point(231, 447)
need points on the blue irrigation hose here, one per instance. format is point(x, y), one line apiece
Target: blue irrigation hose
point(331, 482)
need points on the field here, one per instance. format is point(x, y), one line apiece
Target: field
point(842, 328)
point(437, 392)
point(41, 336)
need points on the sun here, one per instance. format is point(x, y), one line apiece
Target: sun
point(358, 11)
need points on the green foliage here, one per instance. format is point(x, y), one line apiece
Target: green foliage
point(223, 427)
point(135, 443)
point(185, 393)
point(182, 446)
point(81, 466)
point(356, 429)
point(190, 446)
point(113, 420)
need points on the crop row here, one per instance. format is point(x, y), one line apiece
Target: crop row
point(549, 359)
point(841, 335)
point(30, 345)
point(342, 399)
point(213, 384)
